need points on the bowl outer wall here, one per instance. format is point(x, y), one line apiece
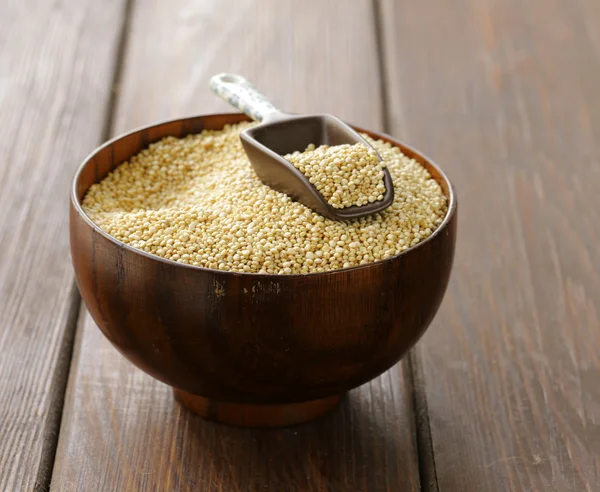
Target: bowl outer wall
point(254, 338)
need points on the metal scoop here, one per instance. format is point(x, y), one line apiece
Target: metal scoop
point(282, 133)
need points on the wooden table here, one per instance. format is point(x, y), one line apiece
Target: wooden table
point(502, 393)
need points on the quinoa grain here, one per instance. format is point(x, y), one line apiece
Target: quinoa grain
point(345, 175)
point(196, 200)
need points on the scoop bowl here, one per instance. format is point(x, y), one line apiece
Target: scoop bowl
point(282, 133)
point(265, 145)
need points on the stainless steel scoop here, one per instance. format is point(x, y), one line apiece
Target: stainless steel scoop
point(282, 133)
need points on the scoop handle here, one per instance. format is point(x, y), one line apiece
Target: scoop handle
point(241, 94)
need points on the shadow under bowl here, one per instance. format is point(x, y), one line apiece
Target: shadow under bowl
point(254, 349)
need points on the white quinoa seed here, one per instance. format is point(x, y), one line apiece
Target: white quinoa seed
point(196, 200)
point(345, 175)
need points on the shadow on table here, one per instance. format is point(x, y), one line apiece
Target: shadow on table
point(356, 447)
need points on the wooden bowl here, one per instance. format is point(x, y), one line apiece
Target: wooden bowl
point(254, 349)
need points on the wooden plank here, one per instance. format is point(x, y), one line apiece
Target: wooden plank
point(503, 94)
point(54, 90)
point(121, 429)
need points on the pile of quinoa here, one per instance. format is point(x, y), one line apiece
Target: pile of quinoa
point(345, 175)
point(196, 200)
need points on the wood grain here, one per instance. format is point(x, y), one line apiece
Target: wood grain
point(504, 96)
point(54, 88)
point(126, 433)
point(302, 61)
point(121, 429)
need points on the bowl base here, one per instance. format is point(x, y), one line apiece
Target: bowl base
point(248, 415)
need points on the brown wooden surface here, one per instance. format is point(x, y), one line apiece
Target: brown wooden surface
point(139, 439)
point(504, 96)
point(54, 88)
point(121, 429)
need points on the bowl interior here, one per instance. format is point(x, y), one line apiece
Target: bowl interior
point(98, 164)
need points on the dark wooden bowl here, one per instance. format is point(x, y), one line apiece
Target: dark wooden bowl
point(253, 349)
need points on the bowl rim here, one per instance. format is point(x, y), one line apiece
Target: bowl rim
point(75, 203)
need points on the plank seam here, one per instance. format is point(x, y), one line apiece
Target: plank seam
point(65, 356)
point(380, 49)
point(426, 458)
point(415, 384)
point(115, 85)
point(58, 389)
